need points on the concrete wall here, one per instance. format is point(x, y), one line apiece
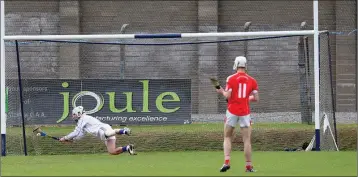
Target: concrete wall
point(273, 62)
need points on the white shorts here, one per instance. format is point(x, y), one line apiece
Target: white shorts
point(233, 120)
point(101, 133)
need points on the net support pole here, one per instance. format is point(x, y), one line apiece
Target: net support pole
point(333, 93)
point(2, 79)
point(306, 114)
point(316, 74)
point(122, 54)
point(21, 97)
point(246, 29)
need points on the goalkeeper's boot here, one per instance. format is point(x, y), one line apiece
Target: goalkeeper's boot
point(250, 168)
point(225, 168)
point(130, 149)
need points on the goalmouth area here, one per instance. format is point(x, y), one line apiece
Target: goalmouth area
point(147, 65)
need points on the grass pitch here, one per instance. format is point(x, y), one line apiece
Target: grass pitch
point(182, 164)
point(190, 137)
point(154, 158)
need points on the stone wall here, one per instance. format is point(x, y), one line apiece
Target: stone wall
point(273, 62)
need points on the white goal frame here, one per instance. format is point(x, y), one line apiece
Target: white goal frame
point(315, 32)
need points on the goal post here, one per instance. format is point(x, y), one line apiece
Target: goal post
point(3, 126)
point(2, 78)
point(316, 72)
point(315, 33)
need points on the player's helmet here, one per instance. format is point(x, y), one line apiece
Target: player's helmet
point(77, 112)
point(240, 62)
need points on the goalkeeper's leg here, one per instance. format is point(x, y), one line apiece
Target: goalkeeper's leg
point(107, 134)
point(113, 150)
point(112, 132)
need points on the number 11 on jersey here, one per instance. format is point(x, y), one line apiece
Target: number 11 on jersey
point(242, 90)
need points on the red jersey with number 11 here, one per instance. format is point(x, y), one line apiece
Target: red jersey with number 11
point(242, 86)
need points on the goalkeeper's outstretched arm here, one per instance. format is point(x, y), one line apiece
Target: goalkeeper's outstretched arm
point(74, 135)
point(77, 133)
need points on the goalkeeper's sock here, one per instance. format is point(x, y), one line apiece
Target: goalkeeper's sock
point(122, 131)
point(124, 148)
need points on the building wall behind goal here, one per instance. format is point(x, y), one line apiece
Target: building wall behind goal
point(192, 61)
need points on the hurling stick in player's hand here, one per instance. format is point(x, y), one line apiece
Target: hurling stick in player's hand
point(215, 82)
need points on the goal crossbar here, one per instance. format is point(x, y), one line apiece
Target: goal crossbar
point(158, 35)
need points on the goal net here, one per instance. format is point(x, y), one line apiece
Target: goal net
point(327, 117)
point(161, 89)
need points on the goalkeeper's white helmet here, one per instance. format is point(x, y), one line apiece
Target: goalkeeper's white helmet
point(240, 62)
point(77, 112)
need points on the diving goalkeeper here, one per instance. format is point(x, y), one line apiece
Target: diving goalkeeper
point(89, 124)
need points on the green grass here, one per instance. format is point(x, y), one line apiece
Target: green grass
point(182, 164)
point(182, 150)
point(194, 137)
point(195, 127)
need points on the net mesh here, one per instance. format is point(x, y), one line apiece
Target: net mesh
point(327, 104)
point(181, 69)
point(283, 68)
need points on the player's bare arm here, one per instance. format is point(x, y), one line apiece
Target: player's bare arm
point(220, 90)
point(225, 93)
point(254, 97)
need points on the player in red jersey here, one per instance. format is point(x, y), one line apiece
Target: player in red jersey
point(240, 90)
